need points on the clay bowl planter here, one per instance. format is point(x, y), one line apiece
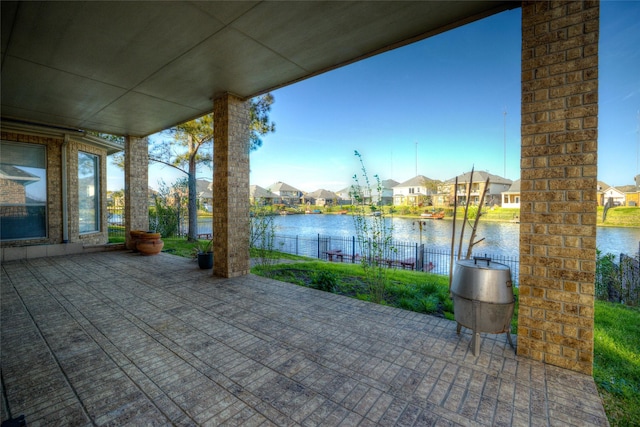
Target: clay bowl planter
point(135, 236)
point(149, 243)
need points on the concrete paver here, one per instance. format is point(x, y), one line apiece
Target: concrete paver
point(117, 338)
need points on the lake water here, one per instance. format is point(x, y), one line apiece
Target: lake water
point(500, 238)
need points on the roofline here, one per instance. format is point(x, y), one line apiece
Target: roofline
point(48, 131)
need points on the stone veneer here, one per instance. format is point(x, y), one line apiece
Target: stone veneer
point(558, 182)
point(231, 186)
point(92, 238)
point(136, 186)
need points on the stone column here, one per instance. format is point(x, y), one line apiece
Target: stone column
point(558, 182)
point(136, 186)
point(230, 186)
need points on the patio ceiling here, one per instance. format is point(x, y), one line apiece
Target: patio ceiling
point(140, 67)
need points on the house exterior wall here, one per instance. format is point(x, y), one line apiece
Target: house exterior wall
point(615, 195)
point(404, 196)
point(54, 146)
point(102, 235)
point(632, 199)
point(559, 182)
point(511, 200)
point(12, 192)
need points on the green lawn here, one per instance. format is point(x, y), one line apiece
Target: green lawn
point(622, 216)
point(616, 337)
point(616, 367)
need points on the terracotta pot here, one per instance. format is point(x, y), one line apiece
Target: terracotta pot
point(135, 236)
point(149, 243)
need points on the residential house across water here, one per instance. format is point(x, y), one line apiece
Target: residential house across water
point(286, 194)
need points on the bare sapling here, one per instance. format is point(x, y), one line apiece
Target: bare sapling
point(453, 232)
point(466, 212)
point(374, 233)
point(474, 228)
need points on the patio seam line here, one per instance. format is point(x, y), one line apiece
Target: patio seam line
point(341, 361)
point(265, 365)
point(65, 305)
point(46, 342)
point(133, 363)
point(107, 353)
point(89, 284)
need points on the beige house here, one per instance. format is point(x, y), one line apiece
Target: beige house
point(511, 197)
point(285, 193)
point(260, 196)
point(321, 197)
point(417, 191)
point(477, 182)
point(118, 68)
point(615, 196)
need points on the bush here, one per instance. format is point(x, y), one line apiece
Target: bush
point(163, 219)
point(617, 282)
point(324, 281)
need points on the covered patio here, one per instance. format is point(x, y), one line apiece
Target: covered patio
point(116, 338)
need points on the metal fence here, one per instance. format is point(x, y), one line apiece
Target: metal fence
point(175, 224)
point(403, 255)
point(115, 221)
point(630, 279)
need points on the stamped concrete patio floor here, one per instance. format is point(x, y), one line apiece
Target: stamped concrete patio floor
point(120, 339)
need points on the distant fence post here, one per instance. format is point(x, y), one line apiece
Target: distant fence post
point(353, 249)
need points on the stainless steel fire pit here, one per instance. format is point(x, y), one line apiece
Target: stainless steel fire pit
point(483, 298)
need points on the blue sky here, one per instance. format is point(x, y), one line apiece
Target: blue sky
point(440, 104)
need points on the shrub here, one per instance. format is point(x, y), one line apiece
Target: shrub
point(324, 281)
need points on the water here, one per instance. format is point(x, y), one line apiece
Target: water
point(500, 238)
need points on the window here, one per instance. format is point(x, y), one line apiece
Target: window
point(23, 191)
point(88, 192)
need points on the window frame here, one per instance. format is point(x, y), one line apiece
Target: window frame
point(43, 160)
point(96, 194)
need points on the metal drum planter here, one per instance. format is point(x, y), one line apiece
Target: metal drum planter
point(483, 299)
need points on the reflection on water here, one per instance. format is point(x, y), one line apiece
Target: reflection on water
point(499, 237)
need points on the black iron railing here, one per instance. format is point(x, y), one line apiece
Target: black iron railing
point(399, 254)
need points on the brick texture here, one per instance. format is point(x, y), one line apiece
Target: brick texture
point(54, 147)
point(558, 182)
point(231, 187)
point(136, 183)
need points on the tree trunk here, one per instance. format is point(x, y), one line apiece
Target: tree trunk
point(192, 234)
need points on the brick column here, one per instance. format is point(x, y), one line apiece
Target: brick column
point(558, 182)
point(230, 186)
point(136, 185)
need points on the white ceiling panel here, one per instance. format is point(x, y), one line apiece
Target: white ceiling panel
point(138, 67)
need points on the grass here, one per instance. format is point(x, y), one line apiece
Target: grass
point(622, 216)
point(616, 370)
point(415, 291)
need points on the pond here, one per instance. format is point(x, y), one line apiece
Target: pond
point(499, 237)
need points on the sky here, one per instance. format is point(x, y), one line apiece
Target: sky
point(437, 108)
